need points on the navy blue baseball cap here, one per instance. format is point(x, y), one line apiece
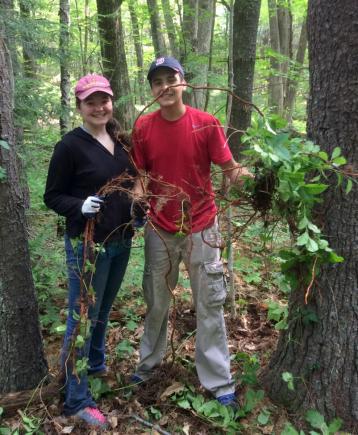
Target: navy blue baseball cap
point(167, 62)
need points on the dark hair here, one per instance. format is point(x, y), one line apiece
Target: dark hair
point(116, 132)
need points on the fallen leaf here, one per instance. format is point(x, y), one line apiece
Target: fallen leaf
point(67, 429)
point(186, 428)
point(174, 388)
point(113, 421)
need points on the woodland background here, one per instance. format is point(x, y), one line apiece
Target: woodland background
point(287, 285)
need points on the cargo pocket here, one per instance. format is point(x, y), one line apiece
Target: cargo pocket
point(216, 286)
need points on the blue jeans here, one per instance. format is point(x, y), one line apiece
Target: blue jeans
point(110, 267)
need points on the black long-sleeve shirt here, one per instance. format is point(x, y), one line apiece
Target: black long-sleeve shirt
point(79, 167)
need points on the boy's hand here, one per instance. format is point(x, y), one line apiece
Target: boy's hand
point(139, 212)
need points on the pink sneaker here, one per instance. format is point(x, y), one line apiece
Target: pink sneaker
point(92, 416)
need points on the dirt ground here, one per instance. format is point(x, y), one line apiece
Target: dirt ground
point(127, 406)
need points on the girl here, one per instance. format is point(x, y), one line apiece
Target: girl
point(83, 161)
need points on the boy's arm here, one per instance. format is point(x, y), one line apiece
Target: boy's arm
point(235, 172)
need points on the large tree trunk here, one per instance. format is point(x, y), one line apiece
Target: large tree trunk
point(114, 58)
point(245, 25)
point(323, 355)
point(138, 50)
point(22, 361)
point(64, 65)
point(156, 29)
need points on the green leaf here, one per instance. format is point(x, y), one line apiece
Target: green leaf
point(313, 228)
point(303, 223)
point(315, 189)
point(349, 186)
point(339, 161)
point(2, 173)
point(60, 329)
point(264, 417)
point(131, 325)
point(335, 425)
point(4, 144)
point(288, 378)
point(311, 245)
point(282, 324)
point(1, 411)
point(252, 398)
point(80, 341)
point(334, 258)
point(315, 419)
point(323, 155)
point(183, 403)
point(302, 239)
point(336, 152)
point(289, 430)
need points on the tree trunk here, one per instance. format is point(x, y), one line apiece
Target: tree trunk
point(22, 361)
point(206, 20)
point(246, 19)
point(323, 355)
point(28, 56)
point(284, 20)
point(65, 85)
point(275, 100)
point(114, 59)
point(138, 50)
point(295, 71)
point(198, 16)
point(169, 24)
point(156, 29)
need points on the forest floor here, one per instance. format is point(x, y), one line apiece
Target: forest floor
point(173, 401)
point(250, 334)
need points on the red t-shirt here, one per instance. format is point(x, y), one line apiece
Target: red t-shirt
point(177, 155)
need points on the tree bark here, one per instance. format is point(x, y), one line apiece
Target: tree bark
point(295, 71)
point(284, 20)
point(155, 26)
point(65, 84)
point(246, 19)
point(27, 52)
point(22, 361)
point(114, 59)
point(169, 24)
point(323, 355)
point(198, 16)
point(138, 50)
point(275, 100)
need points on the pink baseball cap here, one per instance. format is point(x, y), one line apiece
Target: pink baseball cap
point(91, 83)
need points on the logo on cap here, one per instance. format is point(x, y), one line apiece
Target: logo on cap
point(159, 61)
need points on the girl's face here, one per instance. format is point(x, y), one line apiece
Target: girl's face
point(96, 110)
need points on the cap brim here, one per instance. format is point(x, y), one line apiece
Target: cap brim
point(83, 95)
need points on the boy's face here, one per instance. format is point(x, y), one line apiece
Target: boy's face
point(161, 79)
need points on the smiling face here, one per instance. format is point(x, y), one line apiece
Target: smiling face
point(161, 80)
point(96, 110)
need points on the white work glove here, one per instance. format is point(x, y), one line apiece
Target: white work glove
point(91, 206)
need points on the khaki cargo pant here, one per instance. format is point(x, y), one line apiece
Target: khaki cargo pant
point(207, 282)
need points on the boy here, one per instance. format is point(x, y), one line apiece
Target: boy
point(174, 148)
